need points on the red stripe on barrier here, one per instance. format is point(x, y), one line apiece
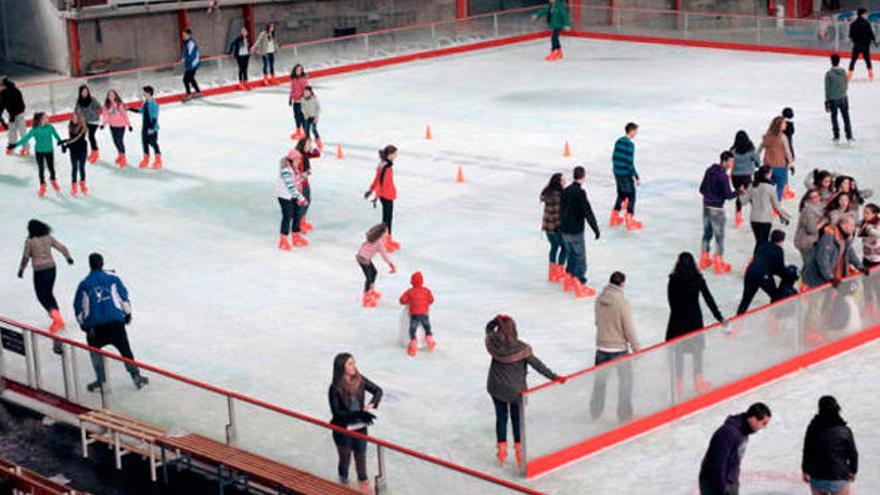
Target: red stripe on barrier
point(575, 452)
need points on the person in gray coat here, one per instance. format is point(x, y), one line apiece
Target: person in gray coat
point(511, 358)
point(836, 100)
point(833, 254)
point(765, 202)
point(811, 221)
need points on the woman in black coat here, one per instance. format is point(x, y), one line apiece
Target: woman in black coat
point(352, 412)
point(685, 316)
point(830, 460)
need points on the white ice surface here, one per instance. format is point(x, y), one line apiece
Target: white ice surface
point(214, 299)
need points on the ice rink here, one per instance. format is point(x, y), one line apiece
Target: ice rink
point(215, 299)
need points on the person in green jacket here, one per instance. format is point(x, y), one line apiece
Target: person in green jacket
point(42, 132)
point(558, 19)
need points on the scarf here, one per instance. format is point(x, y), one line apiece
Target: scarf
point(507, 353)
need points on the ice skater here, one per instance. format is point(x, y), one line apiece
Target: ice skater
point(811, 221)
point(311, 110)
point(265, 47)
point(836, 100)
point(830, 460)
point(715, 189)
point(42, 133)
point(12, 102)
point(558, 19)
point(191, 63)
point(869, 232)
point(240, 49)
point(768, 262)
point(385, 191)
point(78, 148)
point(375, 243)
point(719, 472)
point(788, 115)
point(103, 310)
point(38, 252)
point(777, 154)
point(419, 300)
point(745, 163)
point(574, 210)
point(626, 177)
point(290, 198)
point(351, 410)
point(300, 156)
point(149, 111)
point(90, 109)
point(761, 195)
point(114, 114)
point(551, 196)
point(299, 80)
point(862, 35)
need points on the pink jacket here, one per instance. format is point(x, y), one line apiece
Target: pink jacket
point(297, 87)
point(116, 116)
point(369, 249)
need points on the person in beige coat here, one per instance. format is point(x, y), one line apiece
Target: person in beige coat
point(265, 46)
point(38, 252)
point(615, 337)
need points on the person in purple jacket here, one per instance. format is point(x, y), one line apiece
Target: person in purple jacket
point(719, 473)
point(716, 189)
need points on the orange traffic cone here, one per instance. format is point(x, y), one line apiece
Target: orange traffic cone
point(459, 178)
point(566, 152)
point(428, 133)
point(339, 155)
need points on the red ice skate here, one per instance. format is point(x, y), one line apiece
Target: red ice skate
point(787, 193)
point(73, 189)
point(364, 487)
point(374, 293)
point(57, 321)
point(93, 156)
point(368, 301)
point(298, 240)
point(615, 219)
point(431, 343)
point(720, 266)
point(298, 134)
point(24, 152)
point(42, 191)
point(157, 163)
point(413, 348)
point(501, 453)
point(83, 188)
point(568, 284)
point(144, 161)
point(738, 220)
point(701, 386)
point(582, 290)
point(705, 261)
point(283, 244)
point(632, 224)
point(55, 186)
point(305, 226)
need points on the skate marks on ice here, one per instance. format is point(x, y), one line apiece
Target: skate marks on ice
point(148, 174)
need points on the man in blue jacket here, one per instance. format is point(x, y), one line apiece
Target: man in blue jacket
point(716, 189)
point(191, 63)
point(719, 473)
point(102, 310)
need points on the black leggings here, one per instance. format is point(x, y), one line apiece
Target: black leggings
point(740, 182)
point(554, 40)
point(44, 282)
point(287, 208)
point(750, 288)
point(501, 413)
point(369, 275)
point(864, 51)
point(148, 140)
point(189, 81)
point(45, 160)
point(301, 210)
point(387, 213)
point(242, 67)
point(118, 134)
point(77, 166)
point(298, 116)
point(761, 232)
point(697, 354)
point(93, 142)
point(345, 447)
point(626, 190)
point(310, 127)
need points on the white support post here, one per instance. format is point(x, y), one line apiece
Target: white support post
point(523, 437)
point(495, 24)
point(381, 479)
point(367, 45)
point(28, 357)
point(65, 371)
point(231, 431)
point(35, 356)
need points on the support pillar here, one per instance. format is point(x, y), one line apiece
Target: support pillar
point(182, 23)
point(73, 39)
point(248, 13)
point(462, 9)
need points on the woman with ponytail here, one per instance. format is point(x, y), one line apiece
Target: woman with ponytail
point(385, 192)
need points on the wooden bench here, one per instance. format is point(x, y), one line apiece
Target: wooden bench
point(23, 480)
point(238, 467)
point(124, 435)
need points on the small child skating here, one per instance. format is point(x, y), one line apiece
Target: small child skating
point(375, 243)
point(76, 143)
point(558, 19)
point(149, 111)
point(419, 299)
point(311, 110)
point(626, 177)
point(42, 133)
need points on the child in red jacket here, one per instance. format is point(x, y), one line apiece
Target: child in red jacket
point(419, 299)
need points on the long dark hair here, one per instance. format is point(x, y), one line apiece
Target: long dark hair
point(37, 228)
point(742, 144)
point(819, 176)
point(806, 198)
point(81, 100)
point(554, 185)
point(108, 102)
point(293, 72)
point(686, 268)
point(854, 195)
point(829, 412)
point(761, 175)
point(384, 153)
point(834, 204)
point(301, 147)
point(338, 383)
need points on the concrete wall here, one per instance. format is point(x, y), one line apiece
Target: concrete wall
point(484, 6)
point(36, 34)
point(727, 6)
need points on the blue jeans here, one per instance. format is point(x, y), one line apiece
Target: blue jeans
point(415, 321)
point(557, 248)
point(269, 64)
point(780, 179)
point(576, 250)
point(713, 226)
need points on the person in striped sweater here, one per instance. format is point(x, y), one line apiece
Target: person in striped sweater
point(626, 177)
point(290, 198)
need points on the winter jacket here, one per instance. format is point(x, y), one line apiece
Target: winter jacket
point(101, 298)
point(38, 250)
point(830, 259)
point(265, 44)
point(369, 249)
point(297, 88)
point(116, 115)
point(191, 60)
point(685, 315)
point(346, 414)
point(836, 82)
point(11, 101)
point(764, 202)
point(720, 468)
point(311, 108)
point(746, 163)
point(777, 152)
point(624, 158)
point(383, 182)
point(807, 232)
point(300, 165)
point(870, 234)
point(557, 15)
point(550, 222)
point(91, 111)
point(289, 184)
point(769, 261)
point(861, 33)
point(829, 450)
point(614, 321)
point(715, 187)
point(239, 47)
point(42, 135)
point(419, 298)
point(574, 207)
point(76, 141)
point(789, 134)
point(149, 115)
point(507, 373)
